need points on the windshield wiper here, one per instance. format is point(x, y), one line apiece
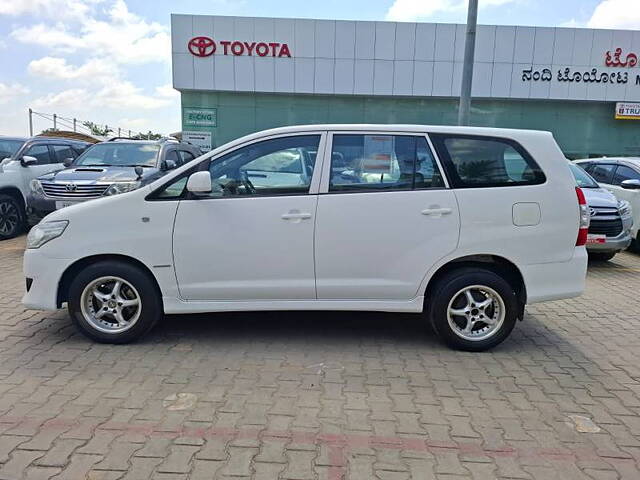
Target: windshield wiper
point(136, 165)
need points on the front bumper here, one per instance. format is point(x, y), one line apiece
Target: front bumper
point(45, 274)
point(39, 206)
point(617, 243)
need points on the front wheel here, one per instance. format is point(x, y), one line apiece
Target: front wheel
point(12, 217)
point(114, 302)
point(473, 309)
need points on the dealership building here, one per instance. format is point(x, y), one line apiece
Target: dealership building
point(238, 75)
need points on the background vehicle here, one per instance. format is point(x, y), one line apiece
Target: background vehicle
point(621, 176)
point(108, 168)
point(611, 219)
point(464, 224)
point(22, 160)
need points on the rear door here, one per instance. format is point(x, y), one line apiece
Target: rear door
point(385, 216)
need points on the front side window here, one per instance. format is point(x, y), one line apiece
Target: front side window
point(473, 161)
point(116, 154)
point(382, 162)
point(625, 173)
point(602, 172)
point(41, 153)
point(63, 152)
point(281, 166)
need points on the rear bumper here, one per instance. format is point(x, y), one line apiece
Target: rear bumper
point(555, 281)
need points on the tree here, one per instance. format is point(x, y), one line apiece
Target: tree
point(49, 130)
point(96, 129)
point(147, 136)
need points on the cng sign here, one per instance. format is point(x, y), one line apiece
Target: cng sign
point(200, 117)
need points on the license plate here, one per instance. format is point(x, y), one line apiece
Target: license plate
point(596, 238)
point(60, 205)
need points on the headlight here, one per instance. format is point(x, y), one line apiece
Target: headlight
point(624, 208)
point(45, 231)
point(36, 187)
point(122, 187)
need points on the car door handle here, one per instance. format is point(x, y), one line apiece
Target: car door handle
point(436, 211)
point(296, 216)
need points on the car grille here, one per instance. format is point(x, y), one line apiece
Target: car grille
point(61, 190)
point(605, 221)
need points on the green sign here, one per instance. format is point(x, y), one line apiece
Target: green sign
point(200, 117)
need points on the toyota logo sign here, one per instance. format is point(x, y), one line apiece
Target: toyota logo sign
point(202, 46)
point(71, 187)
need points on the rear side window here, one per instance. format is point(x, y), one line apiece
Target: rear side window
point(63, 152)
point(382, 162)
point(473, 161)
point(602, 172)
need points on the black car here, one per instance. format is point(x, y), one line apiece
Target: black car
point(21, 161)
point(108, 168)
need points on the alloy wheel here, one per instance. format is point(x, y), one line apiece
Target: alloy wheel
point(111, 304)
point(476, 312)
point(9, 218)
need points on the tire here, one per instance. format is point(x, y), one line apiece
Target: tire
point(485, 286)
point(135, 320)
point(601, 256)
point(12, 217)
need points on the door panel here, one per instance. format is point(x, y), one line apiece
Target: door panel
point(242, 248)
point(380, 245)
point(251, 238)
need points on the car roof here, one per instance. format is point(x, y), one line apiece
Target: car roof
point(7, 137)
point(54, 139)
point(609, 159)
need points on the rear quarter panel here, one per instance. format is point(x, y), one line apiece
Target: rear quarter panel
point(486, 214)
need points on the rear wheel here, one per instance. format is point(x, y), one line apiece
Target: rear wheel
point(12, 217)
point(114, 302)
point(473, 309)
point(601, 256)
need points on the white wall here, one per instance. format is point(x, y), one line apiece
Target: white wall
point(385, 58)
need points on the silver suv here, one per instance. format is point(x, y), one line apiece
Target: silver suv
point(108, 168)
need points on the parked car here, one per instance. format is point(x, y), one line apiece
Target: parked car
point(463, 224)
point(621, 176)
point(611, 219)
point(108, 168)
point(22, 160)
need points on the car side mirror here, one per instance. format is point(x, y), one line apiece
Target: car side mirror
point(27, 161)
point(67, 162)
point(631, 184)
point(168, 165)
point(199, 183)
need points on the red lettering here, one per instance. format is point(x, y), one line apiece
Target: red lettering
point(273, 48)
point(262, 49)
point(284, 51)
point(237, 48)
point(225, 44)
point(249, 47)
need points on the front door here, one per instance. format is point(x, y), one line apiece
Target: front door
point(385, 219)
point(252, 237)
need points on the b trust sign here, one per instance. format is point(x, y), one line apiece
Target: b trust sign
point(206, 46)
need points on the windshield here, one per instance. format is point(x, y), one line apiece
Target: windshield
point(119, 155)
point(583, 179)
point(9, 147)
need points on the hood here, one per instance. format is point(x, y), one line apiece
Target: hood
point(599, 197)
point(98, 174)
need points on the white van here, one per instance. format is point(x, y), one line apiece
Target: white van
point(465, 225)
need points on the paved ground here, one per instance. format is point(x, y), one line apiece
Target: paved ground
point(326, 396)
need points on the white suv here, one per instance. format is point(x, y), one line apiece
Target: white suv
point(464, 224)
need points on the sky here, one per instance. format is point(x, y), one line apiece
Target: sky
point(109, 61)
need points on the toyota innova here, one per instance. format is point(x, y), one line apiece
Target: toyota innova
point(463, 225)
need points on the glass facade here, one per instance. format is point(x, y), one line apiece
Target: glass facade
point(581, 128)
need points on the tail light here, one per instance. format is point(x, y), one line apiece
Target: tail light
point(585, 218)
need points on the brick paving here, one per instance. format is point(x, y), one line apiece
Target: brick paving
point(324, 395)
